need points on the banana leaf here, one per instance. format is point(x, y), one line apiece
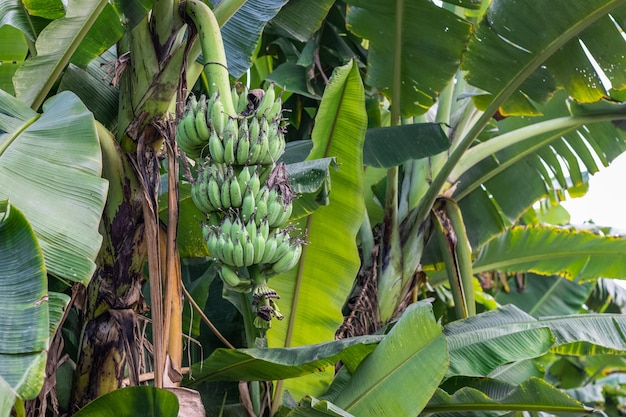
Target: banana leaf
point(416, 47)
point(402, 373)
point(480, 344)
point(548, 48)
point(313, 293)
point(140, 401)
point(300, 19)
point(544, 156)
point(534, 395)
point(576, 255)
point(23, 306)
point(242, 32)
point(260, 364)
point(547, 296)
point(13, 52)
point(55, 46)
point(50, 166)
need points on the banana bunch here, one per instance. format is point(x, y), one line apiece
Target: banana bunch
point(242, 244)
point(253, 137)
point(244, 194)
point(201, 119)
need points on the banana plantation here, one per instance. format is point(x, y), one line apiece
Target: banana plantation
point(309, 208)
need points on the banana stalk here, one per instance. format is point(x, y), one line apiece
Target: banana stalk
point(210, 39)
point(455, 249)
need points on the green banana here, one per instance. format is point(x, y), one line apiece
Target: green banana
point(218, 117)
point(228, 249)
point(266, 102)
point(236, 198)
point(242, 103)
point(275, 112)
point(233, 281)
point(214, 194)
point(216, 148)
point(247, 206)
point(238, 253)
point(201, 121)
point(284, 216)
point(243, 178)
point(225, 193)
point(230, 141)
point(264, 228)
point(259, 248)
point(235, 97)
point(271, 244)
point(288, 260)
point(248, 251)
point(243, 144)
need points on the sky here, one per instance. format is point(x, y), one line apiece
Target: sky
point(605, 202)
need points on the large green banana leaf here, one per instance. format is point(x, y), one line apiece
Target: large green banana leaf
point(576, 255)
point(532, 395)
point(537, 157)
point(414, 48)
point(302, 18)
point(480, 344)
point(261, 364)
point(23, 307)
point(50, 166)
point(13, 52)
point(55, 46)
point(547, 296)
point(242, 32)
point(140, 401)
point(548, 49)
point(402, 373)
point(313, 293)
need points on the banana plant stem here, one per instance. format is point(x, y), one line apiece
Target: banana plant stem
point(210, 38)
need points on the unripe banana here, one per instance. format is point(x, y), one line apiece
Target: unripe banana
point(266, 102)
point(283, 245)
point(284, 216)
point(209, 109)
point(251, 230)
point(288, 260)
point(271, 244)
point(236, 229)
point(192, 104)
point(264, 142)
point(238, 253)
point(243, 178)
point(201, 197)
point(254, 182)
point(275, 112)
point(274, 211)
point(247, 206)
point(211, 242)
point(207, 232)
point(226, 226)
point(230, 141)
point(243, 143)
point(259, 248)
point(261, 211)
point(264, 228)
point(235, 97)
point(232, 279)
point(185, 143)
point(236, 198)
point(248, 252)
point(276, 144)
point(216, 147)
point(225, 193)
point(242, 103)
point(214, 193)
point(201, 121)
point(218, 117)
point(254, 128)
point(228, 249)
